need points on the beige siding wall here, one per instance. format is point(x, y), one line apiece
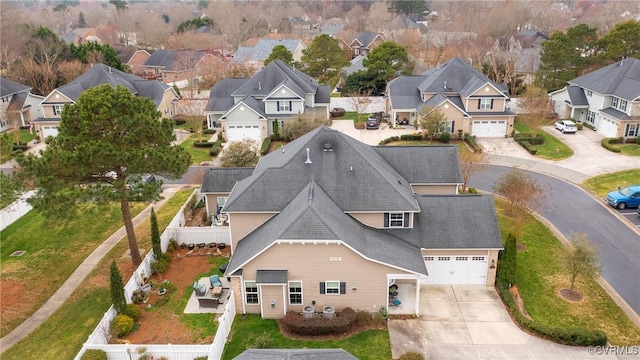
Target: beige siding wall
point(498, 105)
point(434, 189)
point(487, 90)
point(375, 220)
point(273, 293)
point(166, 106)
point(491, 273)
point(312, 264)
point(241, 224)
point(212, 200)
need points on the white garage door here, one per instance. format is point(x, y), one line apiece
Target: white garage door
point(239, 132)
point(489, 128)
point(456, 269)
point(49, 131)
point(608, 127)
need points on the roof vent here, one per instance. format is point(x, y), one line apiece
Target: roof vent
point(308, 161)
point(328, 147)
point(283, 149)
point(445, 84)
point(259, 85)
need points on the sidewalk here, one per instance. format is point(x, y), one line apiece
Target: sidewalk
point(76, 278)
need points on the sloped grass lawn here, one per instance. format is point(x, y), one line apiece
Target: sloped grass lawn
point(603, 184)
point(352, 115)
point(54, 249)
point(552, 149)
point(255, 332)
point(628, 149)
point(198, 154)
point(62, 335)
point(540, 274)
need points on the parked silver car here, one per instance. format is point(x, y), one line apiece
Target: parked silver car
point(566, 126)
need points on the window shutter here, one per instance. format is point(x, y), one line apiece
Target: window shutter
point(453, 123)
point(343, 288)
point(406, 219)
point(386, 220)
point(491, 104)
point(290, 107)
point(479, 101)
point(277, 105)
point(322, 290)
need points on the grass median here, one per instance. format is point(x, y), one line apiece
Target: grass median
point(552, 149)
point(603, 184)
point(68, 328)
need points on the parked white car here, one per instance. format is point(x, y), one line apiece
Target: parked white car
point(566, 126)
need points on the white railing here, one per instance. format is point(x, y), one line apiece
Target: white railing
point(15, 210)
point(135, 351)
point(137, 278)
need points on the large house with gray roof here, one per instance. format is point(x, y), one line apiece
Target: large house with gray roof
point(254, 56)
point(470, 101)
point(607, 98)
point(162, 95)
point(329, 222)
point(19, 106)
point(248, 107)
point(363, 42)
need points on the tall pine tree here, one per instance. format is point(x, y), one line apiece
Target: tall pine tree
point(117, 289)
point(155, 235)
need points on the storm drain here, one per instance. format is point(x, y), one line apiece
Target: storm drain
point(18, 253)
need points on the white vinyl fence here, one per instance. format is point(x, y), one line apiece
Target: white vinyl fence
point(99, 338)
point(15, 210)
point(373, 103)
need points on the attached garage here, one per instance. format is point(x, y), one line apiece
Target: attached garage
point(489, 128)
point(456, 269)
point(49, 131)
point(608, 127)
point(240, 132)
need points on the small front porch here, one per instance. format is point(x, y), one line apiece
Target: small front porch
point(403, 297)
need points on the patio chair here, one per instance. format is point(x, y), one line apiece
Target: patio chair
point(199, 289)
point(215, 281)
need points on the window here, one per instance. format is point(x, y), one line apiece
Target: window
point(396, 220)
point(623, 105)
point(485, 104)
point(614, 102)
point(462, 258)
point(57, 109)
point(429, 258)
point(444, 258)
point(589, 93)
point(632, 130)
point(333, 287)
point(449, 128)
point(477, 258)
point(251, 292)
point(295, 292)
point(591, 116)
point(284, 105)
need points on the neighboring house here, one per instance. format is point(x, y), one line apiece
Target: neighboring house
point(608, 98)
point(333, 26)
point(78, 36)
point(179, 67)
point(247, 108)
point(296, 23)
point(523, 50)
point(330, 222)
point(162, 95)
point(403, 23)
point(255, 56)
point(19, 106)
point(133, 57)
point(470, 100)
point(364, 42)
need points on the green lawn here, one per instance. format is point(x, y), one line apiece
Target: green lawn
point(26, 136)
point(540, 274)
point(552, 149)
point(253, 331)
point(198, 154)
point(54, 249)
point(68, 328)
point(602, 184)
point(628, 149)
point(352, 115)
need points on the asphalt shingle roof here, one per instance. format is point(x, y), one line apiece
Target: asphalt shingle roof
point(275, 74)
point(271, 276)
point(437, 165)
point(577, 96)
point(10, 87)
point(220, 98)
point(263, 49)
point(621, 79)
point(174, 59)
point(223, 179)
point(615, 113)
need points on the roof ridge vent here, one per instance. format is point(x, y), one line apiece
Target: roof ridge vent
point(310, 196)
point(308, 161)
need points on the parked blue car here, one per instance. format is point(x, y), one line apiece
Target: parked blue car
point(625, 197)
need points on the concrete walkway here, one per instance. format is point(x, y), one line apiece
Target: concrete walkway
point(469, 322)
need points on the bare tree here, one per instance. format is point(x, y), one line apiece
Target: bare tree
point(359, 99)
point(357, 18)
point(536, 107)
point(42, 77)
point(471, 163)
point(295, 127)
point(69, 70)
point(523, 193)
point(379, 16)
point(431, 121)
point(582, 259)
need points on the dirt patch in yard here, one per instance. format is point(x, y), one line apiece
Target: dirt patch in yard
point(13, 302)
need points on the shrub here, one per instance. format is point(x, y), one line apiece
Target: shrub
point(579, 126)
point(527, 146)
point(473, 190)
point(445, 137)
point(122, 325)
point(638, 140)
point(472, 142)
point(162, 264)
point(20, 147)
point(411, 356)
point(203, 144)
point(209, 131)
point(632, 140)
point(537, 140)
point(360, 126)
point(388, 140)
point(341, 323)
point(116, 289)
point(132, 311)
point(266, 143)
point(215, 150)
point(94, 354)
point(220, 137)
point(589, 126)
point(606, 143)
point(411, 137)
point(363, 318)
point(180, 121)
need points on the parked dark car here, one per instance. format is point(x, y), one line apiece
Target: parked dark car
point(372, 123)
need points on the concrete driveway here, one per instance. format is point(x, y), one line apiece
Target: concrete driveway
point(469, 322)
point(370, 137)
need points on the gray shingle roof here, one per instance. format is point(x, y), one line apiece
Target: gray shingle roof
point(621, 79)
point(354, 65)
point(275, 74)
point(223, 179)
point(349, 174)
point(295, 354)
point(100, 74)
point(366, 38)
point(174, 59)
point(577, 96)
point(323, 95)
point(402, 22)
point(271, 277)
point(615, 113)
point(10, 87)
point(453, 222)
point(220, 98)
point(312, 215)
point(437, 165)
point(263, 49)
point(404, 93)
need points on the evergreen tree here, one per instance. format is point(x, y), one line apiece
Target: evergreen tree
point(81, 22)
point(508, 264)
point(281, 53)
point(324, 59)
point(155, 235)
point(408, 7)
point(117, 288)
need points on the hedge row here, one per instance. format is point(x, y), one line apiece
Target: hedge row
point(537, 140)
point(217, 146)
point(589, 126)
point(472, 142)
point(388, 140)
point(266, 143)
point(341, 323)
point(527, 146)
point(411, 137)
point(209, 131)
point(606, 143)
point(563, 335)
point(205, 144)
